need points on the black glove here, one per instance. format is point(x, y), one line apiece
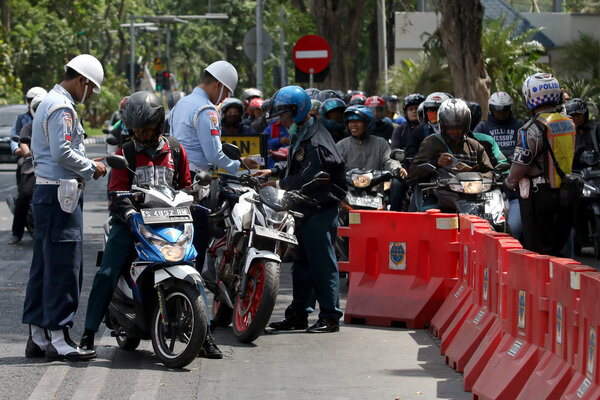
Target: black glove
point(505, 187)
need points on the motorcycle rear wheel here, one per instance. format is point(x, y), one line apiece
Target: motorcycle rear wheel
point(178, 343)
point(255, 303)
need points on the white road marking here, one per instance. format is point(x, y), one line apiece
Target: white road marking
point(95, 374)
point(48, 385)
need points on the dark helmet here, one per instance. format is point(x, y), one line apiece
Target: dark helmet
point(327, 94)
point(232, 102)
point(312, 92)
point(357, 99)
point(265, 105)
point(390, 98)
point(454, 113)
point(144, 110)
point(413, 99)
point(173, 98)
point(577, 106)
point(327, 106)
point(351, 93)
point(476, 113)
point(361, 113)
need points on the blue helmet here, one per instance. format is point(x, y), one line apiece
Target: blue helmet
point(361, 113)
point(328, 105)
point(292, 99)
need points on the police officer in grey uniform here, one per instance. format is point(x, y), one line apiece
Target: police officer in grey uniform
point(61, 169)
point(195, 122)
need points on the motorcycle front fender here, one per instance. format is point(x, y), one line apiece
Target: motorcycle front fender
point(254, 253)
point(182, 272)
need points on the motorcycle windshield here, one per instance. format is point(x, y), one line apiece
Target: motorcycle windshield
point(274, 198)
point(164, 189)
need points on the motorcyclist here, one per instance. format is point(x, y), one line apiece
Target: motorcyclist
point(260, 123)
point(231, 117)
point(327, 94)
point(588, 132)
point(547, 217)
point(430, 126)
point(451, 149)
point(315, 106)
point(487, 141)
point(384, 126)
point(391, 102)
point(402, 132)
point(119, 130)
point(332, 117)
point(24, 118)
point(500, 123)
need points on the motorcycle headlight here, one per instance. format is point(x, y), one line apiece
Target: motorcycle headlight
point(172, 252)
point(362, 180)
point(472, 187)
point(277, 218)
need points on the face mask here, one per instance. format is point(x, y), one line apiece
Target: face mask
point(293, 129)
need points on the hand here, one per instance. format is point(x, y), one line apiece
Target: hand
point(399, 173)
point(250, 163)
point(284, 140)
point(100, 170)
point(18, 152)
point(262, 173)
point(445, 160)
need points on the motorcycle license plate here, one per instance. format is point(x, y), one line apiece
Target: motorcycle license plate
point(365, 201)
point(274, 234)
point(166, 215)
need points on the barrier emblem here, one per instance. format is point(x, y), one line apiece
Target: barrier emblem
point(398, 256)
point(559, 323)
point(522, 309)
point(486, 282)
point(591, 361)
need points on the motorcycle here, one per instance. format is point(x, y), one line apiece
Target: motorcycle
point(10, 200)
point(465, 193)
point(588, 214)
point(158, 296)
point(245, 257)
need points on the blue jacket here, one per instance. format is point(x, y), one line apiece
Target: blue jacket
point(504, 133)
point(20, 122)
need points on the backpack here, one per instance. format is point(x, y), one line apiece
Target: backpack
point(130, 154)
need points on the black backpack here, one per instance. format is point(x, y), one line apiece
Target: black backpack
point(130, 154)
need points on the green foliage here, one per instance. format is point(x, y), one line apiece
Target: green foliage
point(404, 77)
point(586, 90)
point(582, 57)
point(10, 85)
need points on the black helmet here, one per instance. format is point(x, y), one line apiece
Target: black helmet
point(173, 98)
point(327, 94)
point(578, 106)
point(413, 99)
point(390, 98)
point(232, 102)
point(144, 110)
point(476, 113)
point(312, 92)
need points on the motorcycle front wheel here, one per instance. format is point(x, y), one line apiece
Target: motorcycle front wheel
point(255, 303)
point(178, 339)
point(221, 314)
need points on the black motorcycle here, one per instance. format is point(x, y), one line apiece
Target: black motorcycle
point(587, 223)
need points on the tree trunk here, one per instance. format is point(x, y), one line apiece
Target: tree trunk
point(123, 44)
point(339, 22)
point(460, 30)
point(373, 75)
point(108, 49)
point(6, 15)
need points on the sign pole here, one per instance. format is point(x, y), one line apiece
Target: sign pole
point(311, 76)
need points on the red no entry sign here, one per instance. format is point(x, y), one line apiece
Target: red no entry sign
point(311, 52)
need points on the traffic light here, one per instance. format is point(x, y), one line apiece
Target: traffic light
point(163, 80)
point(159, 80)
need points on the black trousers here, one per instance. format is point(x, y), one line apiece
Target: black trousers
point(546, 224)
point(25, 193)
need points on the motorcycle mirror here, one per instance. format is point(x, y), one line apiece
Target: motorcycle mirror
point(590, 158)
point(117, 162)
point(502, 167)
point(232, 151)
point(322, 177)
point(202, 178)
point(105, 131)
point(112, 140)
point(398, 155)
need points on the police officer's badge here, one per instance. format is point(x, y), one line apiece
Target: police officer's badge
point(300, 153)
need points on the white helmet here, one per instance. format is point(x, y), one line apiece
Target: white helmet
point(500, 101)
point(34, 91)
point(541, 89)
point(35, 102)
point(435, 99)
point(88, 66)
point(225, 73)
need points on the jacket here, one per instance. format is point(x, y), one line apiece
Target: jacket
point(372, 152)
point(504, 133)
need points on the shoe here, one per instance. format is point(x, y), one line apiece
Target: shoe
point(37, 343)
point(87, 340)
point(63, 348)
point(290, 323)
point(210, 349)
point(14, 240)
point(325, 325)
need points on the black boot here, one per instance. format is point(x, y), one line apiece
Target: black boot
point(292, 321)
point(87, 340)
point(210, 349)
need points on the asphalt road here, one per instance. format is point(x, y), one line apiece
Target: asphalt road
point(358, 363)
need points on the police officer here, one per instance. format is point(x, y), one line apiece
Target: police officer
point(314, 270)
point(546, 220)
point(61, 169)
point(195, 123)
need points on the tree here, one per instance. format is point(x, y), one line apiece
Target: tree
point(460, 30)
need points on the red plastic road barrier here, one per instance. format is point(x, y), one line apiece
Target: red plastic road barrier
point(491, 247)
point(585, 383)
point(402, 266)
point(524, 329)
point(461, 292)
point(555, 370)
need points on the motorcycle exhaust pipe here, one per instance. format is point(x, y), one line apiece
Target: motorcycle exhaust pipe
point(224, 295)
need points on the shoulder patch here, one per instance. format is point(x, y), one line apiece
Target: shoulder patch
point(68, 124)
point(214, 119)
point(522, 156)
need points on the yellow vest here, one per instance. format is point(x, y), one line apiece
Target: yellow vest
point(560, 132)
